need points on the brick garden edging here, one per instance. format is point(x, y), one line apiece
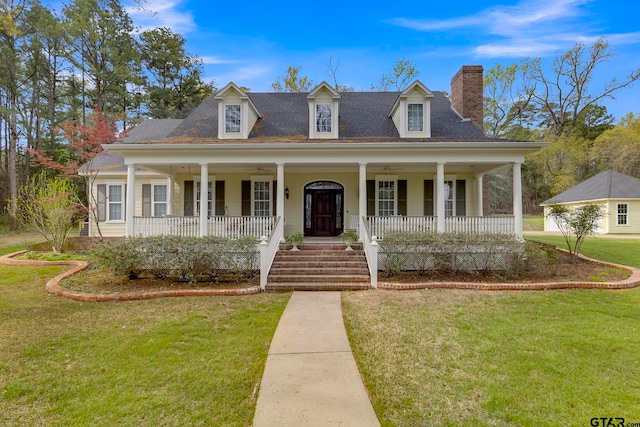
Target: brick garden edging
point(53, 285)
point(630, 282)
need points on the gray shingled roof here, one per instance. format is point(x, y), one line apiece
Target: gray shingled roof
point(362, 114)
point(147, 130)
point(151, 129)
point(605, 185)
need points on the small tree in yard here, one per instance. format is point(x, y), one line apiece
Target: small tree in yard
point(49, 207)
point(578, 222)
point(84, 145)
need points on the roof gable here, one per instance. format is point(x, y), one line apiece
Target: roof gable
point(605, 185)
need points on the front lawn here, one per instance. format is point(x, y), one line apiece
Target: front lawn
point(539, 358)
point(174, 361)
point(619, 251)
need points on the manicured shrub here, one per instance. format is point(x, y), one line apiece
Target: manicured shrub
point(183, 258)
point(450, 252)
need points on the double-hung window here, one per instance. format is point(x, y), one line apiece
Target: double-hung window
point(261, 198)
point(623, 214)
point(415, 117)
point(232, 118)
point(115, 202)
point(448, 198)
point(209, 198)
point(323, 118)
point(386, 196)
point(160, 200)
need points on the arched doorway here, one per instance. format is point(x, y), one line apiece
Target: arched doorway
point(323, 208)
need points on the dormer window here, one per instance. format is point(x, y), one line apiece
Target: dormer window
point(324, 112)
point(323, 118)
point(415, 117)
point(411, 113)
point(232, 118)
point(237, 114)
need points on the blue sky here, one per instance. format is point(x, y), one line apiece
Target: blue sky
point(252, 43)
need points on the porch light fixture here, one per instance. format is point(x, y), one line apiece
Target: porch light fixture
point(286, 193)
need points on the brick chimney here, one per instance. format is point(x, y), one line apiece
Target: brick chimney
point(467, 94)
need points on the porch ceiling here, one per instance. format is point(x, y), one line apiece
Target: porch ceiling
point(381, 168)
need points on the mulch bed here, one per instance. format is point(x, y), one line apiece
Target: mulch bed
point(567, 271)
point(102, 281)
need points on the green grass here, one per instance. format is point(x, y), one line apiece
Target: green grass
point(447, 357)
point(620, 251)
point(175, 361)
point(532, 223)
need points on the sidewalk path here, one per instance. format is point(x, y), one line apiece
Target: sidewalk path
point(311, 377)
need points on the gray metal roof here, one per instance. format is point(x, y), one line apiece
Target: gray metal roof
point(605, 185)
point(362, 114)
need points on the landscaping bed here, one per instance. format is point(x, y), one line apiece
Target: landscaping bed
point(103, 281)
point(565, 271)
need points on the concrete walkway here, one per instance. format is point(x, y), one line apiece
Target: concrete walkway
point(311, 377)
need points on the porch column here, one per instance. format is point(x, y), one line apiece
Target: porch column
point(440, 198)
point(204, 199)
point(170, 184)
point(280, 198)
point(517, 199)
point(362, 197)
point(479, 207)
point(130, 202)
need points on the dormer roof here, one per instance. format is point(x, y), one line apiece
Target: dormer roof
point(324, 86)
point(415, 87)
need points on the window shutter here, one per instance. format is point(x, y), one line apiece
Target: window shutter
point(461, 195)
point(402, 197)
point(246, 198)
point(219, 207)
point(102, 202)
point(124, 204)
point(274, 198)
point(146, 200)
point(371, 197)
point(428, 197)
point(188, 198)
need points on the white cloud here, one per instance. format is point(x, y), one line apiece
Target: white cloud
point(162, 13)
point(529, 28)
point(257, 77)
point(503, 19)
point(216, 60)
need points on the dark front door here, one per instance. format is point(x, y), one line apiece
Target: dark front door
point(323, 209)
point(323, 215)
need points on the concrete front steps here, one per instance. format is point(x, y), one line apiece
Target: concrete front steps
point(319, 267)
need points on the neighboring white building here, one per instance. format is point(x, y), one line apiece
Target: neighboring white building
point(318, 162)
point(617, 193)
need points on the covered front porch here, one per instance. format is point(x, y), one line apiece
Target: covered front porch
point(413, 198)
point(256, 227)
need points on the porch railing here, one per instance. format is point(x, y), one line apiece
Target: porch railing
point(370, 246)
point(379, 225)
point(187, 226)
point(233, 227)
point(480, 224)
point(268, 248)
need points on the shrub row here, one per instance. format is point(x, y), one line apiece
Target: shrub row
point(185, 258)
point(451, 252)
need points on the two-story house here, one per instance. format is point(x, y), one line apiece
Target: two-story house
point(320, 162)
